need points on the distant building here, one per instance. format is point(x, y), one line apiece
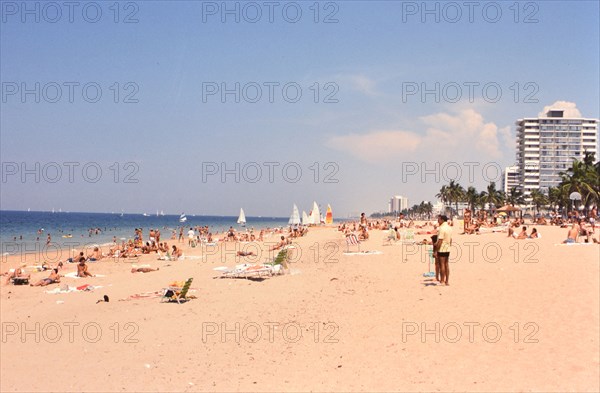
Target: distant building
point(547, 146)
point(397, 204)
point(510, 178)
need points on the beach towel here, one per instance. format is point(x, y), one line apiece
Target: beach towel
point(67, 289)
point(363, 253)
point(575, 244)
point(74, 275)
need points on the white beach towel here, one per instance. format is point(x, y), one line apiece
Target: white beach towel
point(363, 253)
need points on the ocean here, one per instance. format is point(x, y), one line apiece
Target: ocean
point(27, 231)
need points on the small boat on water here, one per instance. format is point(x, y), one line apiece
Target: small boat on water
point(242, 218)
point(182, 218)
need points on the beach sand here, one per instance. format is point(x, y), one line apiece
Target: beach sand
point(517, 316)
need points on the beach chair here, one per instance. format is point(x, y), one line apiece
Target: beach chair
point(177, 294)
point(408, 236)
point(132, 259)
point(246, 270)
point(391, 237)
point(280, 259)
point(352, 240)
point(19, 280)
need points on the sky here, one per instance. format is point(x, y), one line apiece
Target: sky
point(206, 107)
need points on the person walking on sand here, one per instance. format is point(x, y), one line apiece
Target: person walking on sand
point(191, 235)
point(443, 244)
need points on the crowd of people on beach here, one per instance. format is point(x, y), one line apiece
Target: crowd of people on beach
point(579, 229)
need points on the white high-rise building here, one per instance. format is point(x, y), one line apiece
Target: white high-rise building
point(397, 204)
point(510, 178)
point(547, 146)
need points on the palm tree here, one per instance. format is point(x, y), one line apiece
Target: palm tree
point(492, 196)
point(455, 193)
point(558, 197)
point(471, 197)
point(515, 197)
point(428, 209)
point(539, 199)
point(443, 195)
point(583, 178)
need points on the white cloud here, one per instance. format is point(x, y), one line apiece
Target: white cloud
point(360, 83)
point(570, 109)
point(446, 136)
point(375, 145)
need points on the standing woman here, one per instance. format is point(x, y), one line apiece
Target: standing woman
point(444, 242)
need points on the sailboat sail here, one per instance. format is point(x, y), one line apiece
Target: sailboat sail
point(295, 217)
point(329, 215)
point(305, 219)
point(182, 218)
point(316, 214)
point(242, 218)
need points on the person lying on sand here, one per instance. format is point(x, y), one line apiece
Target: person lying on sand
point(53, 278)
point(17, 273)
point(144, 270)
point(245, 253)
point(82, 270)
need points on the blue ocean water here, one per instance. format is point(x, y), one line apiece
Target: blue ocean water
point(19, 229)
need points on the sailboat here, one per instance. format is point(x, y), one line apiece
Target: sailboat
point(162, 213)
point(315, 214)
point(329, 215)
point(145, 214)
point(242, 218)
point(182, 218)
point(305, 219)
point(295, 217)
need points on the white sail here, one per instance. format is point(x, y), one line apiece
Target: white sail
point(295, 217)
point(182, 218)
point(316, 215)
point(242, 218)
point(305, 219)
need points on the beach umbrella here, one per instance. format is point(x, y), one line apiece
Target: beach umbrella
point(508, 208)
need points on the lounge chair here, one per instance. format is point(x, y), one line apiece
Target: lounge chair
point(352, 240)
point(246, 270)
point(280, 259)
point(408, 236)
point(22, 280)
point(177, 294)
point(391, 237)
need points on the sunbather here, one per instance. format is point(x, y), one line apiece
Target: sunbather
point(54, 277)
point(279, 245)
point(144, 270)
point(82, 270)
point(17, 273)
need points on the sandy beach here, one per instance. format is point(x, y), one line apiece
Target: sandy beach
point(519, 315)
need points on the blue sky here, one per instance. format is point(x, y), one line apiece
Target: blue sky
point(365, 141)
